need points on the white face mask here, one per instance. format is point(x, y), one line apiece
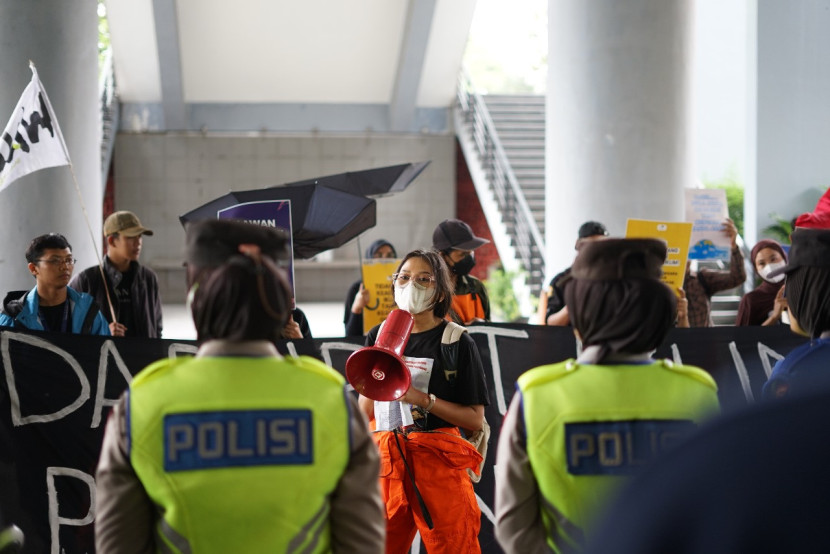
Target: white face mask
point(769, 268)
point(414, 298)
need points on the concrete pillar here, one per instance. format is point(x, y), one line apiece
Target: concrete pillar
point(789, 165)
point(619, 141)
point(61, 38)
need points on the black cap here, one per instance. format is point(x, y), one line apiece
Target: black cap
point(810, 248)
point(454, 233)
point(592, 229)
point(212, 241)
point(610, 259)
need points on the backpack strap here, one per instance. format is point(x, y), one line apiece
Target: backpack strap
point(449, 349)
point(452, 333)
point(449, 359)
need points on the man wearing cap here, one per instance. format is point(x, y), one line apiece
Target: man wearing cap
point(552, 299)
point(576, 429)
point(807, 291)
point(131, 292)
point(456, 242)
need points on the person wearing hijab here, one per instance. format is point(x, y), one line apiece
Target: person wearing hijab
point(238, 449)
point(358, 295)
point(754, 480)
point(808, 300)
point(766, 304)
point(701, 285)
point(576, 430)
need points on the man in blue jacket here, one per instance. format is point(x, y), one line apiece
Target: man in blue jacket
point(52, 305)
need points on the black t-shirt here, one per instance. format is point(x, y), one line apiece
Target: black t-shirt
point(124, 301)
point(465, 385)
point(56, 318)
point(556, 294)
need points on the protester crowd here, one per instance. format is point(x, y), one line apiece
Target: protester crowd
point(309, 468)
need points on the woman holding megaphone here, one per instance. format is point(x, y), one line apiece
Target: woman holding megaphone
point(424, 457)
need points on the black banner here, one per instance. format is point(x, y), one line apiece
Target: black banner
point(58, 389)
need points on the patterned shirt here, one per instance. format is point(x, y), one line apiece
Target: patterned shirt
point(700, 288)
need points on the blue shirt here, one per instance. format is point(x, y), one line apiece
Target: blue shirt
point(802, 370)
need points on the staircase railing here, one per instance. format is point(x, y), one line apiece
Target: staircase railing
point(515, 211)
point(110, 113)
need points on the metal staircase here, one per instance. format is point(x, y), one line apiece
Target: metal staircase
point(515, 226)
point(503, 138)
point(519, 121)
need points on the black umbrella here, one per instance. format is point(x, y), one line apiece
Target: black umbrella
point(321, 217)
point(376, 182)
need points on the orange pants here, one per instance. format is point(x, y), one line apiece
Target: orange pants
point(438, 461)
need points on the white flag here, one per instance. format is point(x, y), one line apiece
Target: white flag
point(32, 139)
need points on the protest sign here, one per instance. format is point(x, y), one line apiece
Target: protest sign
point(377, 275)
point(705, 210)
point(676, 235)
point(58, 390)
point(268, 213)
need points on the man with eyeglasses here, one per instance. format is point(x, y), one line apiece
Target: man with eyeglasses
point(132, 287)
point(52, 305)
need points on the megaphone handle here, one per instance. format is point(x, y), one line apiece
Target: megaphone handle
point(421, 502)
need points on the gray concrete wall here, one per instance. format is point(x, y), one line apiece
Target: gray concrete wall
point(61, 39)
point(618, 135)
point(790, 168)
point(161, 176)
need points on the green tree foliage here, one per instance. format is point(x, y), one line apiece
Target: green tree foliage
point(503, 304)
point(103, 32)
point(782, 227)
point(734, 197)
point(780, 230)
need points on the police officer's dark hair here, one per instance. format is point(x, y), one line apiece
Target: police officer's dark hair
point(808, 297)
point(44, 242)
point(247, 298)
point(615, 298)
point(443, 284)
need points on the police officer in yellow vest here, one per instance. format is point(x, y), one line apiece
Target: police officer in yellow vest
point(238, 449)
point(576, 429)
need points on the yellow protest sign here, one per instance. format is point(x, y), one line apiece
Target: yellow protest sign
point(376, 279)
point(676, 235)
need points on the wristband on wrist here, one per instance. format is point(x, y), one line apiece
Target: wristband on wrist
point(431, 402)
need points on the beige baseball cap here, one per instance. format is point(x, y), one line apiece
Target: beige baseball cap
point(124, 223)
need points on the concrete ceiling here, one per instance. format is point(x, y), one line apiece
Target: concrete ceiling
point(275, 65)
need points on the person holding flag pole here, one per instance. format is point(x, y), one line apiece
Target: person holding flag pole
point(32, 140)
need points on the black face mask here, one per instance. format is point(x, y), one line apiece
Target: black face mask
point(464, 265)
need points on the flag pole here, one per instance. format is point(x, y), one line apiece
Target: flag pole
point(80, 200)
point(92, 237)
point(40, 152)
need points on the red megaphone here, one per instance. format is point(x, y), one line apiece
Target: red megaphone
point(378, 372)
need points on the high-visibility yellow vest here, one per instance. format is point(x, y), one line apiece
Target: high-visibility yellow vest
point(589, 426)
point(240, 454)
